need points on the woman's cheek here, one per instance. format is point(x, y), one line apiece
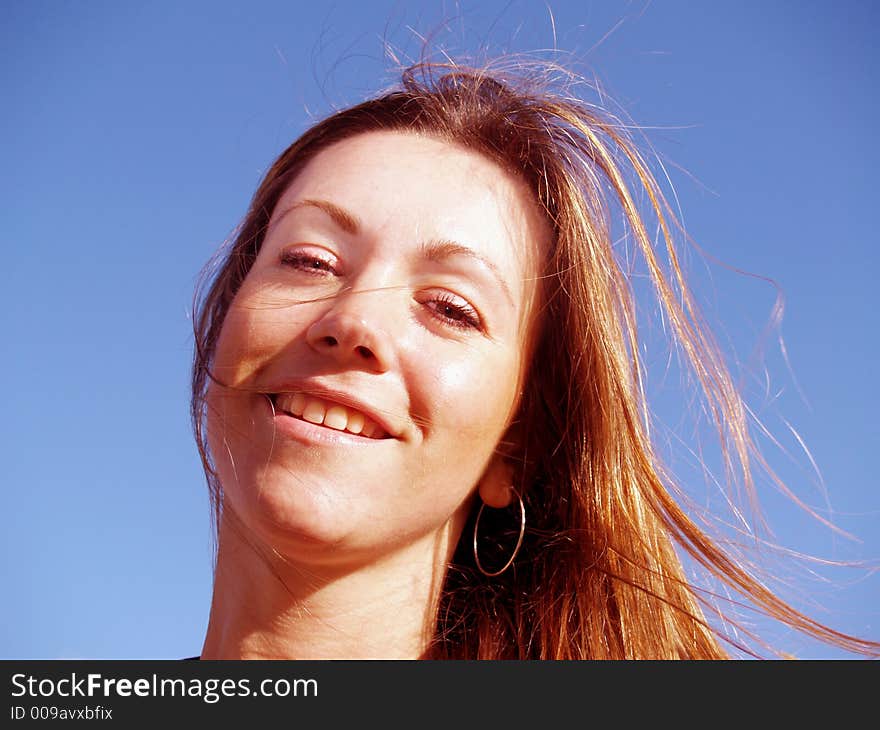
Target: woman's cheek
point(477, 394)
point(251, 336)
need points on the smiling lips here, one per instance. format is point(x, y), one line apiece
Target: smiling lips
point(332, 415)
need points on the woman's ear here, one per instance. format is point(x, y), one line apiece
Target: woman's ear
point(496, 485)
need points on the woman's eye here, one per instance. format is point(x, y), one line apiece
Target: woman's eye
point(308, 262)
point(454, 313)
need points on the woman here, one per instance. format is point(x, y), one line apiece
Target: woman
point(417, 395)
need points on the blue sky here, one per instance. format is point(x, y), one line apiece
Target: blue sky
point(133, 135)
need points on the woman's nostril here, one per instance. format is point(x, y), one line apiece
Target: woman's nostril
point(362, 350)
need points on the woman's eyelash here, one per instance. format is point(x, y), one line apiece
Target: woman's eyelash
point(307, 262)
point(454, 313)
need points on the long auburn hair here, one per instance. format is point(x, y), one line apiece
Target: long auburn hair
point(598, 575)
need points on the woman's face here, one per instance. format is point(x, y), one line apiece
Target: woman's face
point(371, 360)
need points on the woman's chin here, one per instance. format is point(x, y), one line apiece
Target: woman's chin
point(304, 526)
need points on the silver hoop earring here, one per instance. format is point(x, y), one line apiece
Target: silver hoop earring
point(522, 532)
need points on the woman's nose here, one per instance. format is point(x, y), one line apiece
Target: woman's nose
point(350, 333)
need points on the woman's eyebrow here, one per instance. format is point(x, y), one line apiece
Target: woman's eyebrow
point(440, 250)
point(346, 220)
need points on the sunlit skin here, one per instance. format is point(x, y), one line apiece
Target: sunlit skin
point(398, 275)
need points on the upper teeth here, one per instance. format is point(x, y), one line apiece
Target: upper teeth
point(332, 415)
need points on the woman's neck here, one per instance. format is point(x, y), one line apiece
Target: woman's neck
point(264, 607)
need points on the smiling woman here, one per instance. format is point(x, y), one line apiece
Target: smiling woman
point(416, 392)
point(366, 370)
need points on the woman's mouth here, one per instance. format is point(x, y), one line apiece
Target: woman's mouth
point(328, 414)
